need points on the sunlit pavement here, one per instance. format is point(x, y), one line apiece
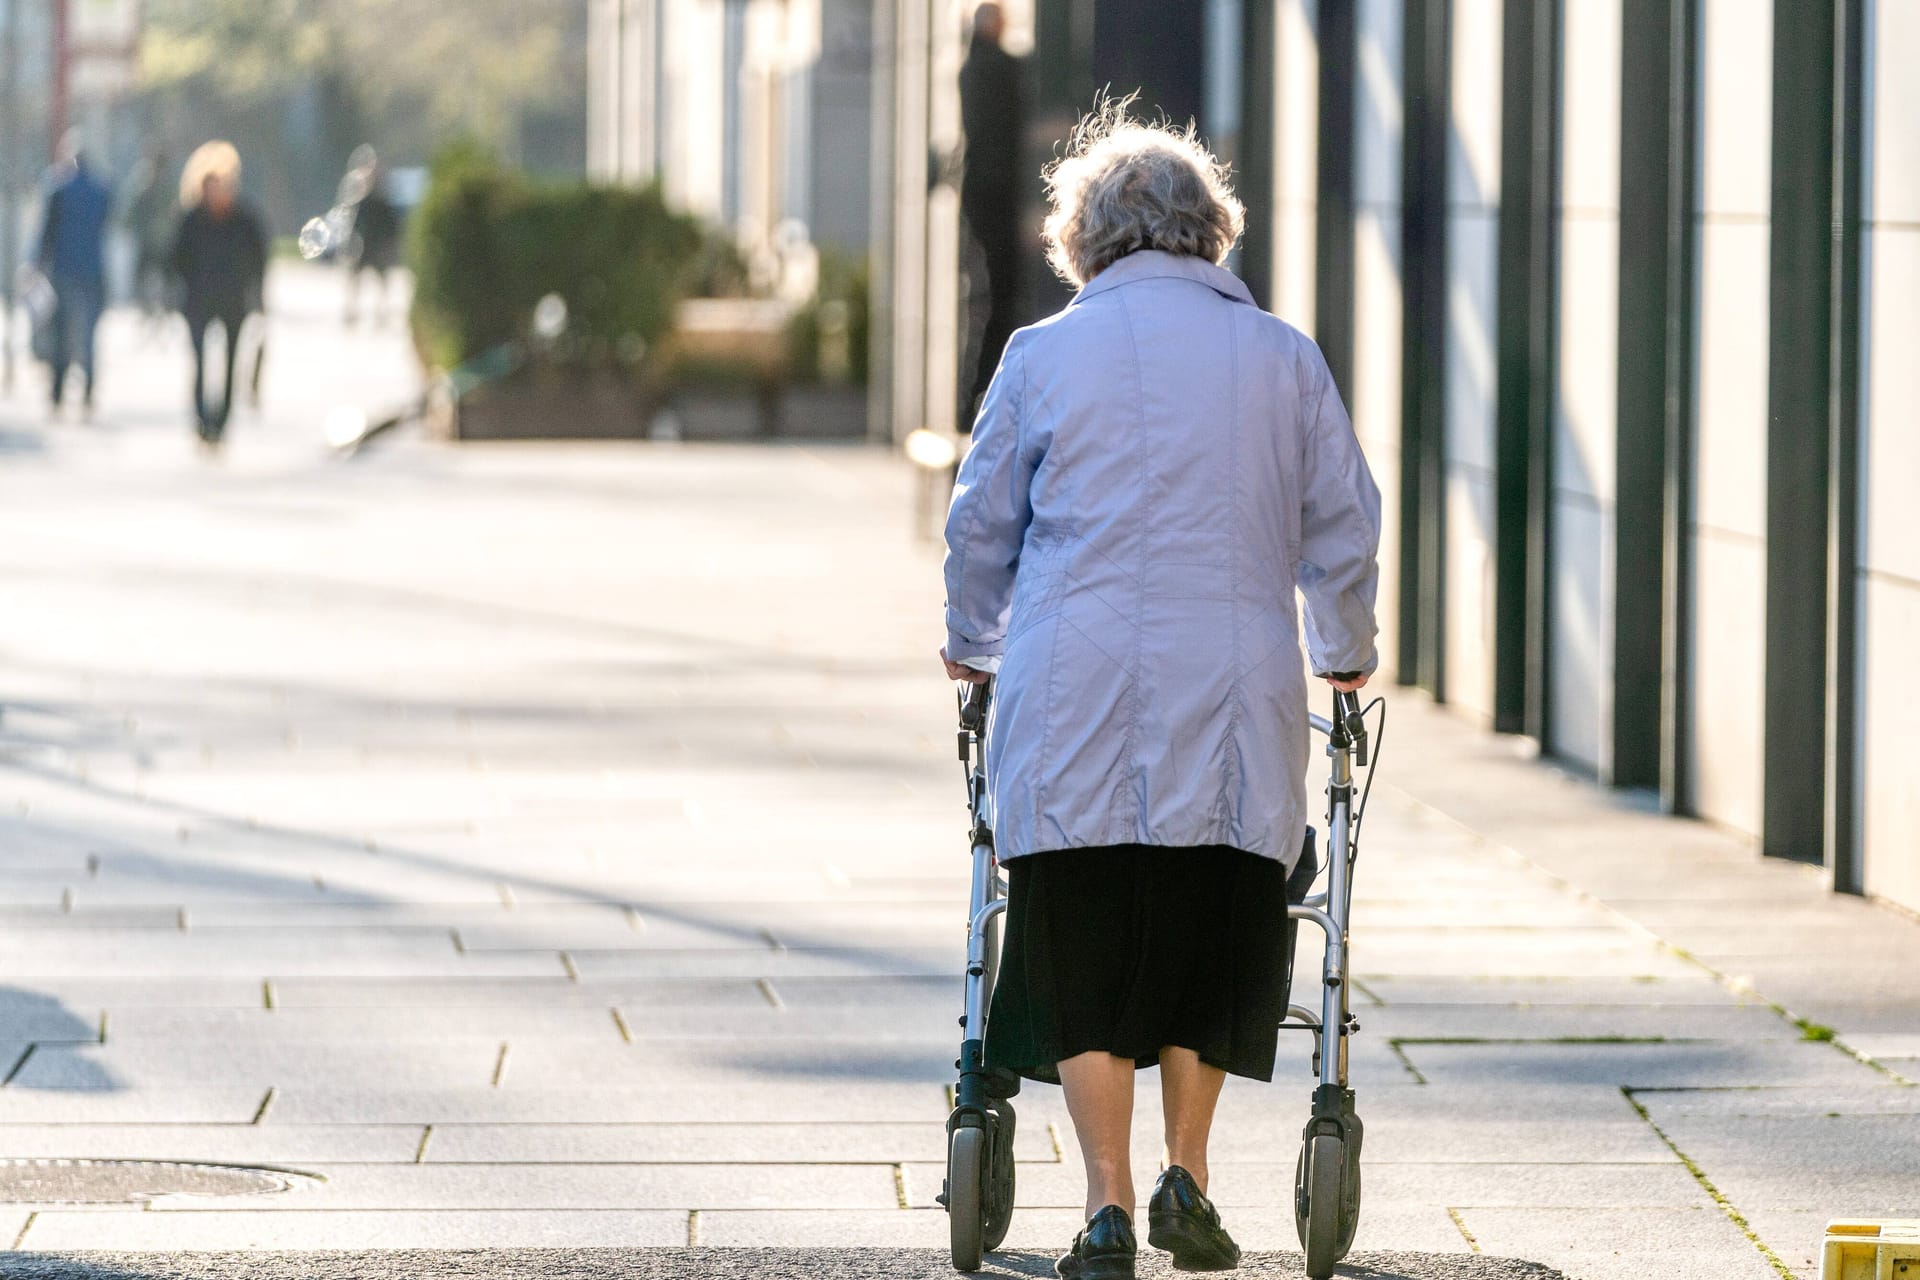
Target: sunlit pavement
point(562, 846)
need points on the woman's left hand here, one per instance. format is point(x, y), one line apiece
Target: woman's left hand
point(960, 671)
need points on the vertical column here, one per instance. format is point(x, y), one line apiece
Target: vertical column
point(883, 424)
point(1529, 146)
point(1374, 394)
point(1424, 284)
point(1655, 310)
point(1728, 535)
point(909, 55)
point(1586, 376)
point(1889, 579)
point(1257, 50)
point(1799, 356)
point(1336, 169)
point(1473, 249)
point(1841, 831)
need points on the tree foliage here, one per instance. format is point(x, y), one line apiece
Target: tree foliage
point(303, 81)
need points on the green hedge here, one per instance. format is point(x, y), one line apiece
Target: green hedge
point(487, 245)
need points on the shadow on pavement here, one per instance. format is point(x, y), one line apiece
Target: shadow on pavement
point(29, 1019)
point(685, 1264)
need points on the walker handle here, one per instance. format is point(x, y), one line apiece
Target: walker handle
point(974, 699)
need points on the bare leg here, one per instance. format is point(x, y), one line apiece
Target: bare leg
point(1189, 1090)
point(1100, 1099)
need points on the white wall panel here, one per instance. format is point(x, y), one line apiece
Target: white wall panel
point(1473, 232)
point(1376, 395)
point(1890, 462)
point(1296, 169)
point(1895, 112)
point(1726, 651)
point(1586, 375)
point(1729, 654)
point(1890, 776)
point(1590, 105)
point(1891, 489)
point(1730, 468)
point(1378, 293)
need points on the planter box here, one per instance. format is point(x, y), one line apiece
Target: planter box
point(554, 402)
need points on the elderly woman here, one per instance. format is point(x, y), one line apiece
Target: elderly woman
point(1154, 471)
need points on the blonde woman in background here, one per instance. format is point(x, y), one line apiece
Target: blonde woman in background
point(220, 258)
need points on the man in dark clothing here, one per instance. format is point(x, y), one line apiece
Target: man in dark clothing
point(376, 243)
point(993, 112)
point(220, 258)
point(151, 215)
point(72, 256)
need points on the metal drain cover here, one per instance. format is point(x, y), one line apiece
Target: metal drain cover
point(130, 1181)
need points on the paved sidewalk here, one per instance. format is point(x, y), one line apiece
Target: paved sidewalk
point(562, 847)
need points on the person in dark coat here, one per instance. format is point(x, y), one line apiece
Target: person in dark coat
point(375, 248)
point(993, 113)
point(220, 259)
point(72, 256)
point(151, 216)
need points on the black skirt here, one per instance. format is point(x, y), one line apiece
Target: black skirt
point(1129, 949)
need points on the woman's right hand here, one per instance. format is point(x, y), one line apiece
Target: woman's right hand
point(1353, 685)
point(961, 671)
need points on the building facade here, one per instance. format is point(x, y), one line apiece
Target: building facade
point(1620, 294)
point(753, 114)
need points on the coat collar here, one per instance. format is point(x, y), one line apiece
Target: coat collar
point(1154, 264)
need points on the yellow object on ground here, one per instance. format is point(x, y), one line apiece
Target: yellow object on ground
point(1871, 1250)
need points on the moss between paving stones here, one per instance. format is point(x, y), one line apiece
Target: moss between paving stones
point(707, 1264)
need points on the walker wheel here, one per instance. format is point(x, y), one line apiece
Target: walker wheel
point(1319, 1181)
point(965, 1196)
point(998, 1216)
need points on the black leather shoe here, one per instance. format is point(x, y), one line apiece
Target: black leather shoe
point(1181, 1220)
point(1104, 1250)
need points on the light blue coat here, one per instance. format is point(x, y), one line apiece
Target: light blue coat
point(1153, 471)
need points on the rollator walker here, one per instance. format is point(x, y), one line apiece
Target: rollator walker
point(979, 1189)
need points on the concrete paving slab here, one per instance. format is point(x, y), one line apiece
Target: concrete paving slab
point(84, 998)
point(174, 1233)
point(114, 1103)
point(773, 1101)
point(272, 1145)
point(839, 1142)
point(1879, 1097)
point(372, 992)
point(1695, 989)
point(1863, 1191)
point(1877, 1144)
point(281, 1025)
point(766, 962)
point(653, 1263)
point(603, 1186)
point(204, 953)
point(1650, 1066)
point(1567, 1021)
point(1622, 1244)
point(160, 1063)
point(1237, 1185)
point(1795, 1236)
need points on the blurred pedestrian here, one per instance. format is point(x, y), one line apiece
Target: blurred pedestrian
point(1155, 470)
point(220, 258)
point(151, 216)
point(375, 247)
point(72, 257)
point(993, 113)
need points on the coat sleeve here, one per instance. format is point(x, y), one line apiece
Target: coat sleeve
point(1339, 534)
point(987, 523)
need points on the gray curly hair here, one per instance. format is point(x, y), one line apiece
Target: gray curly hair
point(1127, 184)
